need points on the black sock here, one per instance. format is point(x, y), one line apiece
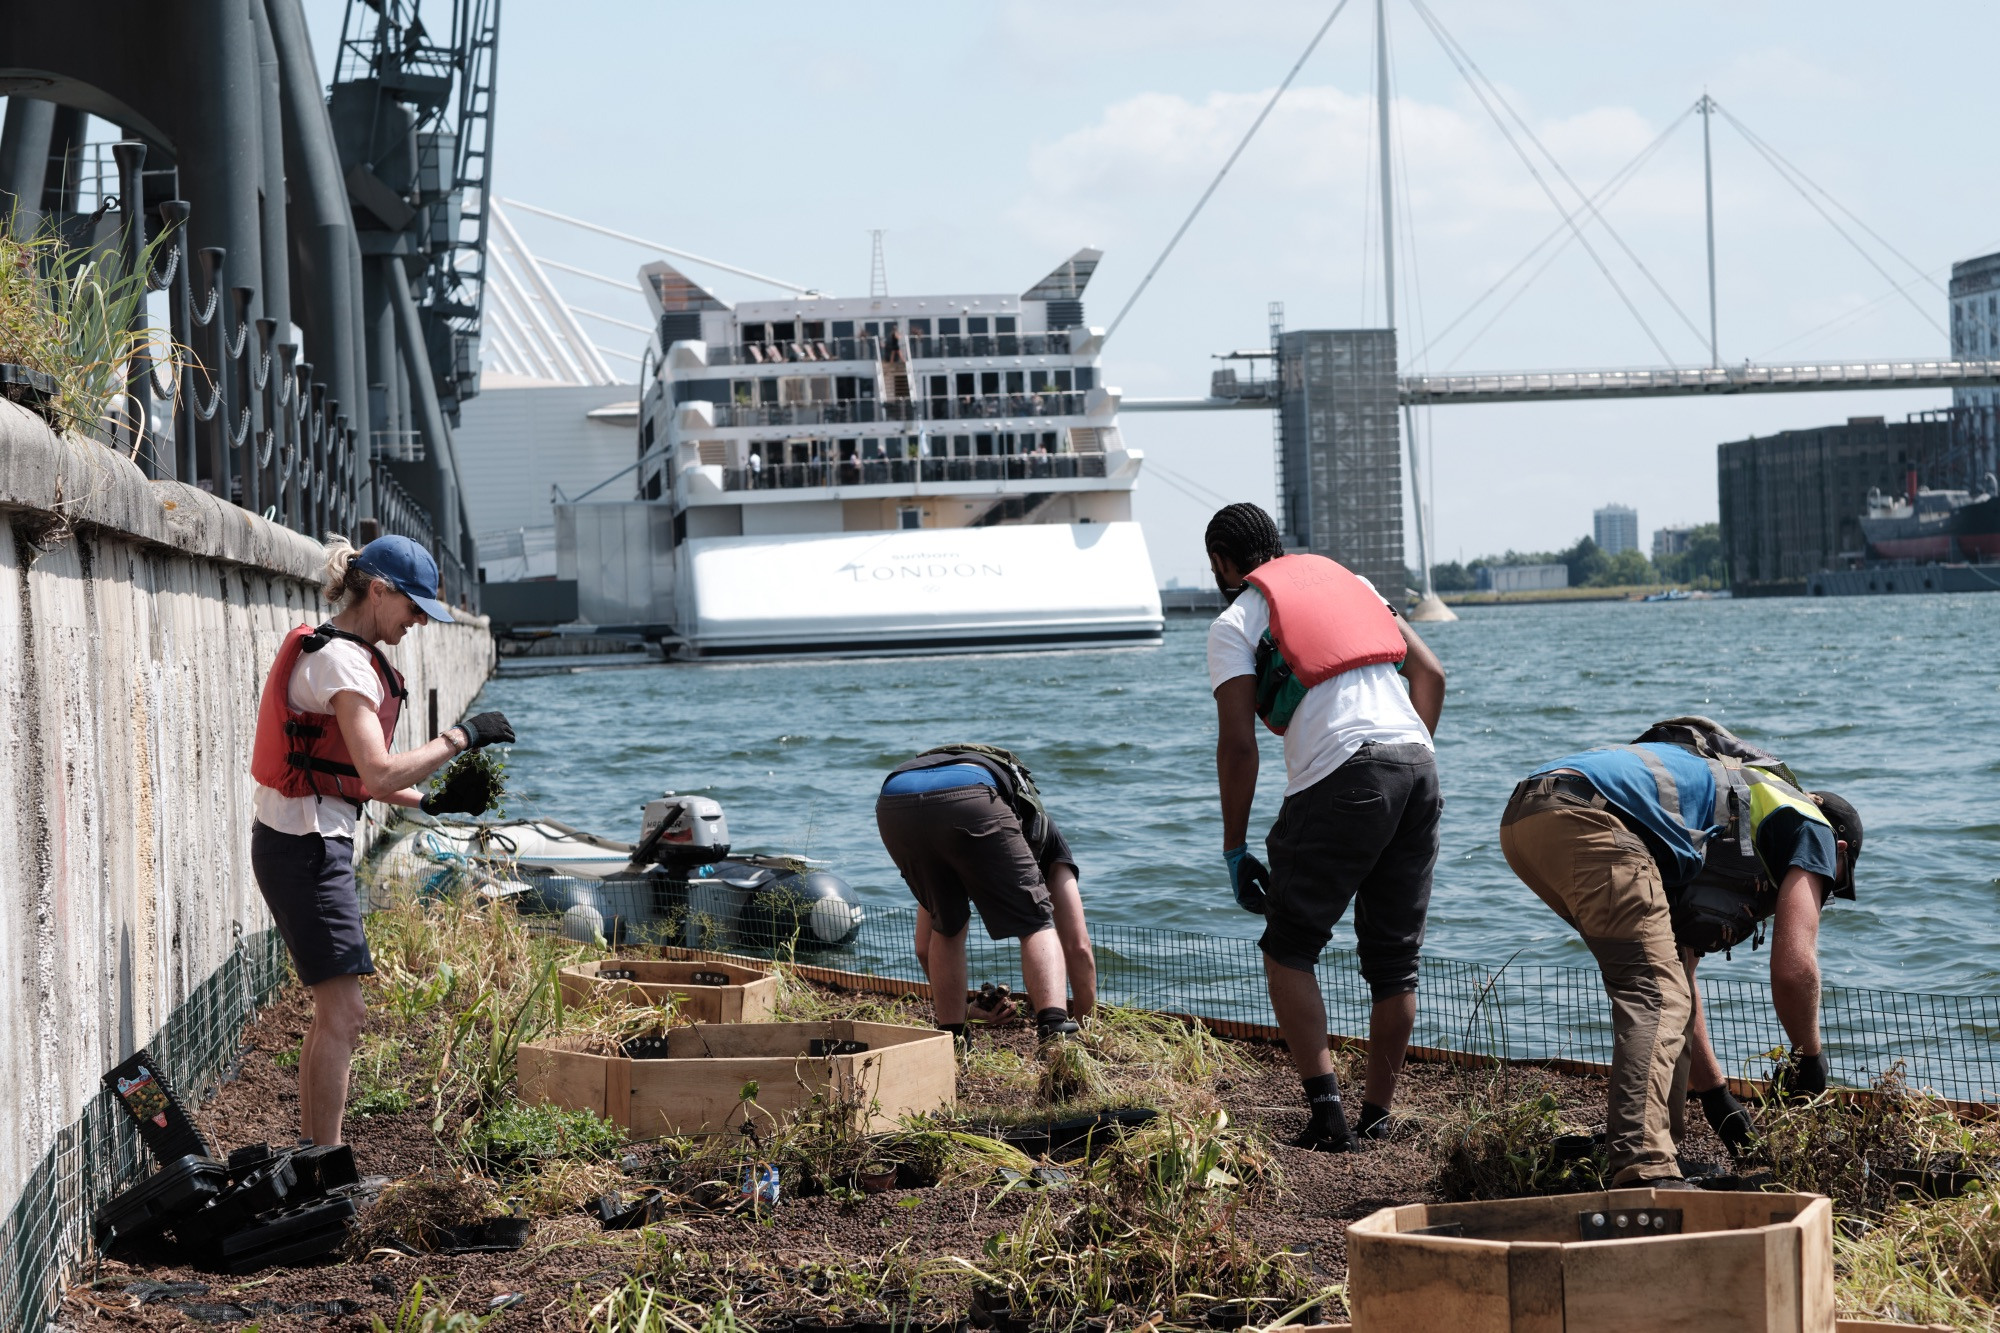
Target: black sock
point(1374, 1121)
point(1053, 1019)
point(957, 1031)
point(1326, 1119)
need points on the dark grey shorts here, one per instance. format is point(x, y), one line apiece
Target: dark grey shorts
point(308, 883)
point(962, 848)
point(1366, 833)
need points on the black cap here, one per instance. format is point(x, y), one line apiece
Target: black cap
point(1846, 821)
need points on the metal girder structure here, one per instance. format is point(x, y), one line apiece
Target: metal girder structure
point(1529, 386)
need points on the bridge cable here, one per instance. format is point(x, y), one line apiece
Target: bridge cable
point(1451, 44)
point(1605, 193)
point(1911, 264)
point(1154, 465)
point(1848, 316)
point(1778, 165)
point(1255, 125)
point(1544, 267)
point(1556, 203)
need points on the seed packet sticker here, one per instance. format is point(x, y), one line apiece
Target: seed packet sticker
point(143, 1096)
point(760, 1182)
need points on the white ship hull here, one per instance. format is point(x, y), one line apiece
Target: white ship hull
point(1044, 585)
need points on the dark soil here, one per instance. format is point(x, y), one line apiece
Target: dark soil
point(569, 1260)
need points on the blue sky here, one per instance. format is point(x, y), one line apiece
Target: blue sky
point(991, 140)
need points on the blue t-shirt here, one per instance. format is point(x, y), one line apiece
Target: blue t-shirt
point(942, 778)
point(1628, 782)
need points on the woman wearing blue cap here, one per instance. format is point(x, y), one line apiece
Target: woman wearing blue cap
point(324, 726)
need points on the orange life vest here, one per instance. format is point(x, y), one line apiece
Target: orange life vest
point(304, 754)
point(1324, 621)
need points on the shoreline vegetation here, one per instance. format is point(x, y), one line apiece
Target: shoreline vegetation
point(1626, 592)
point(1193, 1213)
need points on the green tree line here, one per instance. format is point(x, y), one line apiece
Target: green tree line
point(1700, 566)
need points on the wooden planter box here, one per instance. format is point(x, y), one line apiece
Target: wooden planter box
point(747, 996)
point(697, 1085)
point(1740, 1263)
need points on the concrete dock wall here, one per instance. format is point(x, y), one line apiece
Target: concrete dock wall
point(137, 621)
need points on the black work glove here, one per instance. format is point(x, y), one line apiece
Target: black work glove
point(450, 800)
point(1730, 1121)
point(1248, 879)
point(486, 729)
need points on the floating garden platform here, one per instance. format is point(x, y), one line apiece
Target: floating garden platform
point(708, 992)
point(715, 1076)
point(1635, 1260)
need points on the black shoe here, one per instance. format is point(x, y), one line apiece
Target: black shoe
point(1323, 1138)
point(1057, 1031)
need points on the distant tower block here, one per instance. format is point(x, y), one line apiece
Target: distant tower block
point(1341, 443)
point(878, 273)
point(1615, 528)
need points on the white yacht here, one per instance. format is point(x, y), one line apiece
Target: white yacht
point(874, 475)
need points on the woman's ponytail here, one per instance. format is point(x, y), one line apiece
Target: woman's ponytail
point(344, 581)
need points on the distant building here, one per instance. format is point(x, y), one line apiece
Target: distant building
point(1522, 578)
point(1975, 334)
point(1615, 528)
point(1671, 540)
point(1792, 502)
point(1340, 450)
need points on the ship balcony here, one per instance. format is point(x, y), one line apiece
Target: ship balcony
point(862, 411)
point(796, 351)
point(952, 346)
point(905, 471)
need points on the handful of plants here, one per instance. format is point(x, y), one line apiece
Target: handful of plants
point(472, 784)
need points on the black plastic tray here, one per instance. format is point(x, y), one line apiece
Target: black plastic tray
point(176, 1191)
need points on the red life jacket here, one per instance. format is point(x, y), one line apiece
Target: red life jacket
point(304, 754)
point(1324, 621)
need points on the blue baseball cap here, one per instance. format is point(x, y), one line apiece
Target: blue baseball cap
point(409, 568)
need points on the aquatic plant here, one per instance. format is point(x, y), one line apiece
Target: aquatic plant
point(1856, 1150)
point(477, 778)
point(1494, 1146)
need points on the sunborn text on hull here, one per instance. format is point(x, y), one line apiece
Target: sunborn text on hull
point(881, 475)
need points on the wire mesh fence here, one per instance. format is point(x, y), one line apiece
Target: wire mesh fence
point(100, 1151)
point(1947, 1043)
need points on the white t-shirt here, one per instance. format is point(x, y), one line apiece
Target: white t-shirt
point(339, 666)
point(1336, 717)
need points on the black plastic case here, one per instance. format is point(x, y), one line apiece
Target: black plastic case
point(176, 1191)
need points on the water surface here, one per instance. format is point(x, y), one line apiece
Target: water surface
point(1892, 702)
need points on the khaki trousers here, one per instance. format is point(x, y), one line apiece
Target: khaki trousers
point(1598, 876)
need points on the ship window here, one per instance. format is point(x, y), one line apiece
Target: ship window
point(815, 328)
point(989, 382)
point(1003, 324)
point(872, 328)
point(843, 328)
point(847, 448)
point(843, 388)
point(976, 324)
point(948, 328)
point(1006, 442)
point(1086, 377)
point(753, 333)
point(965, 383)
point(1050, 441)
point(1062, 381)
point(743, 392)
point(1045, 381)
point(983, 445)
point(871, 448)
point(866, 384)
point(909, 518)
point(822, 388)
point(767, 391)
point(961, 445)
point(1015, 382)
point(920, 328)
point(940, 387)
point(784, 333)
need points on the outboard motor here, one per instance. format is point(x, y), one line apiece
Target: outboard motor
point(682, 832)
point(765, 907)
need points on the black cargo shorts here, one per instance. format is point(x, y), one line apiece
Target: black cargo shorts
point(308, 883)
point(1366, 833)
point(961, 848)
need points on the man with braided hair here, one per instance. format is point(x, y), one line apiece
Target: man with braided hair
point(1316, 653)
